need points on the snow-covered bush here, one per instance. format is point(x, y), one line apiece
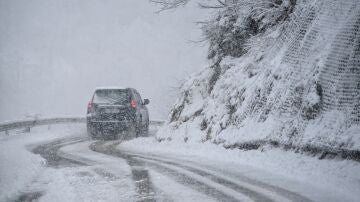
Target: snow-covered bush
point(237, 21)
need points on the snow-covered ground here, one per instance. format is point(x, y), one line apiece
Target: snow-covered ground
point(18, 165)
point(24, 174)
point(177, 171)
point(320, 180)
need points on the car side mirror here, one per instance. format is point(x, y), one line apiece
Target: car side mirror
point(146, 101)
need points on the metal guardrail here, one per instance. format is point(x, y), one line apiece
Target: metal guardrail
point(37, 122)
point(49, 121)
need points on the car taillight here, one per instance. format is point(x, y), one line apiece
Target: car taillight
point(90, 105)
point(133, 104)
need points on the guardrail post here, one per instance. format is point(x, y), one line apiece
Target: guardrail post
point(27, 130)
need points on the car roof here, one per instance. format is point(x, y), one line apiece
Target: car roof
point(111, 88)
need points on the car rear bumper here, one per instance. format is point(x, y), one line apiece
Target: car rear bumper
point(106, 127)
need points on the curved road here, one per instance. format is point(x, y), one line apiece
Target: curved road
point(144, 173)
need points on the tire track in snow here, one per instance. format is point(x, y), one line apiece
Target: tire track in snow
point(241, 192)
point(199, 183)
point(256, 190)
point(183, 173)
point(110, 149)
point(207, 183)
point(50, 152)
point(140, 175)
point(214, 173)
point(29, 197)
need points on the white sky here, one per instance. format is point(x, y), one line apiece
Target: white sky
point(54, 53)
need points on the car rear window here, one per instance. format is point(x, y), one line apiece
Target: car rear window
point(112, 96)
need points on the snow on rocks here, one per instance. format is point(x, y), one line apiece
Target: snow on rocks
point(291, 90)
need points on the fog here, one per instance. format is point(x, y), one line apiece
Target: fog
point(54, 53)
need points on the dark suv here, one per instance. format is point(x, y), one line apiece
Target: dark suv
point(115, 111)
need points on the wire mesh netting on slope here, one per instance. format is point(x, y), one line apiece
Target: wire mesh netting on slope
point(335, 27)
point(340, 76)
point(299, 85)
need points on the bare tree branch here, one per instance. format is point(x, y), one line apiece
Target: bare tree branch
point(210, 6)
point(221, 2)
point(170, 4)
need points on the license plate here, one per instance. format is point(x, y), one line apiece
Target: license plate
point(111, 110)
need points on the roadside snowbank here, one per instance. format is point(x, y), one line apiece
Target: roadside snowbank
point(18, 165)
point(325, 180)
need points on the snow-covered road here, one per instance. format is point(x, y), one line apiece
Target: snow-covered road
point(62, 164)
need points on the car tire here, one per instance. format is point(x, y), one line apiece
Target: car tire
point(119, 136)
point(132, 131)
point(145, 130)
point(91, 133)
point(116, 136)
point(138, 129)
